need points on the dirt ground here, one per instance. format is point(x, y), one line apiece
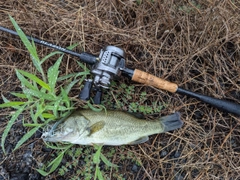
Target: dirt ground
point(193, 43)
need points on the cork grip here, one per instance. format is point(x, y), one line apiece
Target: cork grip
point(151, 80)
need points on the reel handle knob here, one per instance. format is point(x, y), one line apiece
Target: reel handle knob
point(98, 96)
point(85, 92)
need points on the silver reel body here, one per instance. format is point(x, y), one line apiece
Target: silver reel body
point(111, 61)
point(109, 65)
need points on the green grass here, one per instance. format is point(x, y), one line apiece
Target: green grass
point(190, 8)
point(40, 97)
point(124, 97)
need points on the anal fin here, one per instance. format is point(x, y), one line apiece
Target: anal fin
point(140, 140)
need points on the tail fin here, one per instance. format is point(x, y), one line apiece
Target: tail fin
point(171, 122)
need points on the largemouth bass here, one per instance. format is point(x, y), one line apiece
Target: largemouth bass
point(114, 128)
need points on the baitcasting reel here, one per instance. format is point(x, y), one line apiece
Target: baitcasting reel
point(110, 63)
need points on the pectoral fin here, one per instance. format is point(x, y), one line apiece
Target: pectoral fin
point(96, 127)
point(140, 140)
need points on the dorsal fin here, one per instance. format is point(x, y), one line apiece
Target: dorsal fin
point(136, 115)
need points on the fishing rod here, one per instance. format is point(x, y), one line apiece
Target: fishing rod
point(85, 57)
point(111, 64)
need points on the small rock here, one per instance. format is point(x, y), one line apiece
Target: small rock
point(177, 154)
point(135, 168)
point(163, 153)
point(178, 176)
point(3, 174)
point(23, 176)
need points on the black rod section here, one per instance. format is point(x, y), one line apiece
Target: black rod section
point(85, 57)
point(224, 105)
point(127, 72)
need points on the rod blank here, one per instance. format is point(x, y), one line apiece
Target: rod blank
point(84, 57)
point(224, 105)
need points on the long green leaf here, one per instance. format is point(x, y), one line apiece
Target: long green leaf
point(65, 98)
point(24, 81)
point(50, 55)
point(39, 94)
point(30, 47)
point(72, 46)
point(35, 79)
point(11, 104)
point(55, 163)
point(20, 95)
point(42, 172)
point(36, 62)
point(32, 115)
point(29, 96)
point(96, 108)
point(84, 74)
point(5, 100)
point(96, 156)
point(9, 125)
point(26, 137)
point(40, 109)
point(60, 108)
point(82, 65)
point(24, 39)
point(57, 52)
point(48, 116)
point(106, 161)
point(66, 76)
point(32, 125)
point(56, 106)
point(38, 66)
point(70, 85)
point(59, 146)
point(53, 74)
point(98, 174)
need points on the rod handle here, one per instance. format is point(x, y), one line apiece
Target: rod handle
point(224, 105)
point(151, 80)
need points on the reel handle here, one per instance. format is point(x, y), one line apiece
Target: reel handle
point(98, 96)
point(151, 80)
point(85, 93)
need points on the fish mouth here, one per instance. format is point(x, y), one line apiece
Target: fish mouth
point(55, 136)
point(54, 133)
point(68, 131)
point(50, 133)
point(58, 132)
point(50, 129)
